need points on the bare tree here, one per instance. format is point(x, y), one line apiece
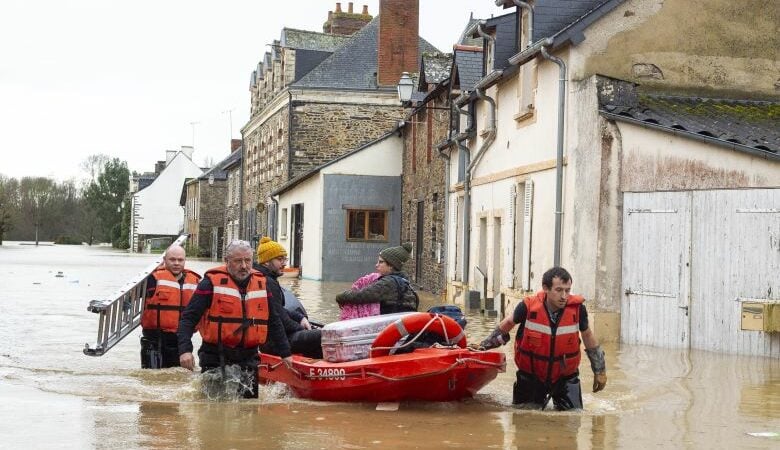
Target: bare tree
point(94, 165)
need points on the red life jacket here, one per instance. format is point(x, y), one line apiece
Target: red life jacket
point(235, 319)
point(163, 308)
point(549, 351)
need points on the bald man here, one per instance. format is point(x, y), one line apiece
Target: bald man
point(168, 290)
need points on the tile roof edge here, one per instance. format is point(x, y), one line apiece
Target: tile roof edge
point(766, 154)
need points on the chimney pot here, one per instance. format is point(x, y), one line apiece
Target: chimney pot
point(338, 7)
point(350, 8)
point(365, 10)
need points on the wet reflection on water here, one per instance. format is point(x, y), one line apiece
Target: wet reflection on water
point(55, 395)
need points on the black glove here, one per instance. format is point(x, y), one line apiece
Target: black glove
point(599, 367)
point(596, 357)
point(496, 339)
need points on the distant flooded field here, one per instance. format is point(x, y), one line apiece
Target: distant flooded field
point(53, 396)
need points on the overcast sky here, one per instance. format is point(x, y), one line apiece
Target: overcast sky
point(129, 78)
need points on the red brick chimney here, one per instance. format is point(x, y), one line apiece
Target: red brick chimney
point(399, 39)
point(234, 144)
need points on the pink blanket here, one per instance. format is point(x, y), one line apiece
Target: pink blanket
point(364, 310)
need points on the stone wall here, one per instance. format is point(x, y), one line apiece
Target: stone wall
point(324, 131)
point(233, 208)
point(212, 212)
point(424, 181)
point(265, 167)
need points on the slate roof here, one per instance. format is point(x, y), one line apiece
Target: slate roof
point(566, 19)
point(219, 171)
point(506, 38)
point(466, 39)
point(353, 65)
point(311, 40)
point(747, 125)
point(467, 64)
point(232, 160)
point(435, 67)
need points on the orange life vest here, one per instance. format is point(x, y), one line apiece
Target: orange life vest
point(235, 319)
point(162, 309)
point(549, 351)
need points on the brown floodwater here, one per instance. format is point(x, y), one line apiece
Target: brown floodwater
point(53, 396)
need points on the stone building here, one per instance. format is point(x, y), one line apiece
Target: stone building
point(204, 201)
point(424, 185)
point(316, 96)
point(232, 170)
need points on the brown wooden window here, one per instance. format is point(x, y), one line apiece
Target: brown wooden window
point(366, 225)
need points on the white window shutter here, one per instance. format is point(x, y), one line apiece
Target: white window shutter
point(528, 220)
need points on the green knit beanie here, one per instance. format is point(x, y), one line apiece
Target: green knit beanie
point(397, 256)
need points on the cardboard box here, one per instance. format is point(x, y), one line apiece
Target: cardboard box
point(350, 340)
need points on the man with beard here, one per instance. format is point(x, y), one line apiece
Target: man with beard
point(271, 261)
point(234, 316)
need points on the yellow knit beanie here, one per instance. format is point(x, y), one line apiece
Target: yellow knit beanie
point(269, 249)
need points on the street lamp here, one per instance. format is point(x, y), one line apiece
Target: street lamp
point(405, 87)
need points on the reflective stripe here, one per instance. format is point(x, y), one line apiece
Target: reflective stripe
point(538, 327)
point(456, 339)
point(227, 291)
point(568, 329)
point(234, 292)
point(256, 294)
point(176, 285)
point(399, 325)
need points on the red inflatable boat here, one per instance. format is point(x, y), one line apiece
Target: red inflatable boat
point(361, 370)
point(432, 374)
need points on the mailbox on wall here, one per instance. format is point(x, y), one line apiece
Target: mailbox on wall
point(760, 316)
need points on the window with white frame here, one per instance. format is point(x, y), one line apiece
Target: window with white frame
point(283, 224)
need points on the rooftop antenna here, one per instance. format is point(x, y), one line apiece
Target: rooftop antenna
point(229, 112)
point(193, 133)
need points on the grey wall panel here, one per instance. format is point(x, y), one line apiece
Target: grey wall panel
point(342, 260)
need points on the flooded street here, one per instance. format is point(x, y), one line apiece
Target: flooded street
point(53, 396)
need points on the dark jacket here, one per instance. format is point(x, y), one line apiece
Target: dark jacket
point(276, 297)
point(393, 292)
point(201, 302)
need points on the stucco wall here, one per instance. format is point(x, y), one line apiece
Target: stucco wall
point(718, 47)
point(309, 193)
point(159, 212)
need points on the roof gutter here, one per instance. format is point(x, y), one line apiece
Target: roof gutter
point(530, 52)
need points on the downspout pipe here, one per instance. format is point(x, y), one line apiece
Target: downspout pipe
point(275, 223)
point(446, 157)
point(486, 141)
point(466, 207)
point(559, 156)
